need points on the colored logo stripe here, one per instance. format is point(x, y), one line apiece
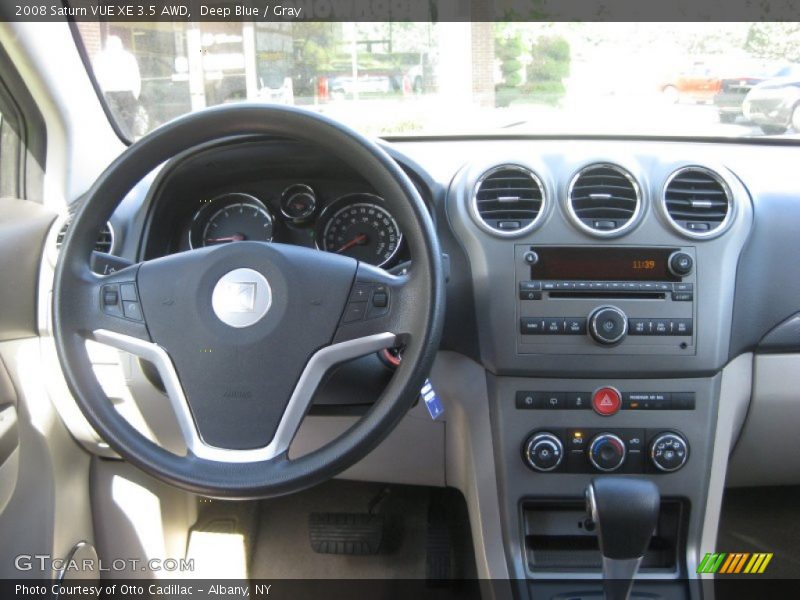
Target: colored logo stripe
point(735, 562)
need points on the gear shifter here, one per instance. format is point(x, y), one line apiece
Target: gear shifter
point(625, 512)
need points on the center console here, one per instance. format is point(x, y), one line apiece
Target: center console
point(603, 294)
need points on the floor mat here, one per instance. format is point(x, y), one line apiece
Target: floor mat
point(282, 548)
point(763, 520)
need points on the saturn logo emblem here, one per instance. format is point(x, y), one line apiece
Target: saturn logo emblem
point(241, 298)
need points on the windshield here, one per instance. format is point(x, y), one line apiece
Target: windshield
point(406, 78)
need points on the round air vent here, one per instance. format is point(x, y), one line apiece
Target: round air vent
point(509, 200)
point(698, 202)
point(604, 200)
point(104, 243)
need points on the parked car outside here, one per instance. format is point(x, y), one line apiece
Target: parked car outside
point(733, 90)
point(774, 105)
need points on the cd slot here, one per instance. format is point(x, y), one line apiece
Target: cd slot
point(609, 294)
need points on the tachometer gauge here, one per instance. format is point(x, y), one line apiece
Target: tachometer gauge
point(233, 217)
point(359, 226)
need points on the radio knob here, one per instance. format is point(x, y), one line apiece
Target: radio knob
point(680, 264)
point(669, 452)
point(608, 325)
point(543, 451)
point(607, 452)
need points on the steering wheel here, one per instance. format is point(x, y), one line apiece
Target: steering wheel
point(242, 334)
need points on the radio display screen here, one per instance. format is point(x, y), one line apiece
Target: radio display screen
point(602, 264)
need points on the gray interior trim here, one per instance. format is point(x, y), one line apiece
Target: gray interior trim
point(315, 370)
point(735, 390)
point(23, 228)
point(766, 453)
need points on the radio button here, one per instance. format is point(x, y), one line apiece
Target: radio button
point(608, 325)
point(680, 264)
point(530, 295)
point(681, 327)
point(662, 327)
point(548, 285)
point(639, 326)
point(530, 286)
point(531, 326)
point(553, 326)
point(576, 326)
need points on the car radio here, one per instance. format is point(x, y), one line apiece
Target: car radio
point(620, 299)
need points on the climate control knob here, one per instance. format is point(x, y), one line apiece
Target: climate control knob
point(607, 452)
point(669, 451)
point(543, 451)
point(608, 325)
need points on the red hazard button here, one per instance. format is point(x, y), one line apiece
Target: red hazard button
point(606, 401)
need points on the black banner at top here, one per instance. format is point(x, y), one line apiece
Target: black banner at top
point(399, 10)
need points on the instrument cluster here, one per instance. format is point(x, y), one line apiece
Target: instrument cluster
point(355, 224)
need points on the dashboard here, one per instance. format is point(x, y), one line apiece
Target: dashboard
point(270, 192)
point(611, 305)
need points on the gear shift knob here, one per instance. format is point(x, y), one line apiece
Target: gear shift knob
point(625, 512)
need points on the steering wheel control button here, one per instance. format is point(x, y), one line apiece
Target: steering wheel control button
point(128, 292)
point(607, 452)
point(543, 452)
point(241, 298)
point(608, 325)
point(680, 264)
point(132, 310)
point(110, 296)
point(355, 311)
point(361, 292)
point(668, 452)
point(606, 401)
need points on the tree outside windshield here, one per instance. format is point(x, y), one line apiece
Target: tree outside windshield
point(692, 79)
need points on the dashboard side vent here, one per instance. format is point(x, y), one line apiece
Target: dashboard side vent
point(697, 201)
point(104, 243)
point(508, 200)
point(604, 199)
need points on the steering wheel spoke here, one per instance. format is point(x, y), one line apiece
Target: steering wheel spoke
point(379, 303)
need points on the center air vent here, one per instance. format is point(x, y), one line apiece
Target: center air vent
point(508, 200)
point(698, 202)
point(104, 243)
point(604, 200)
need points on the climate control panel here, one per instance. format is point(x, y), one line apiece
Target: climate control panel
point(592, 450)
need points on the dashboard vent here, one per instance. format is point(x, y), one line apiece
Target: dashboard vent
point(604, 199)
point(508, 200)
point(104, 243)
point(697, 201)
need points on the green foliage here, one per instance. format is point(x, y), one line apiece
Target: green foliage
point(550, 64)
point(509, 50)
point(774, 41)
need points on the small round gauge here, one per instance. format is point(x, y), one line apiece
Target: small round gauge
point(298, 202)
point(233, 217)
point(360, 227)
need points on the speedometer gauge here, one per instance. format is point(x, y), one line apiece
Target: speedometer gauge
point(230, 218)
point(360, 227)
